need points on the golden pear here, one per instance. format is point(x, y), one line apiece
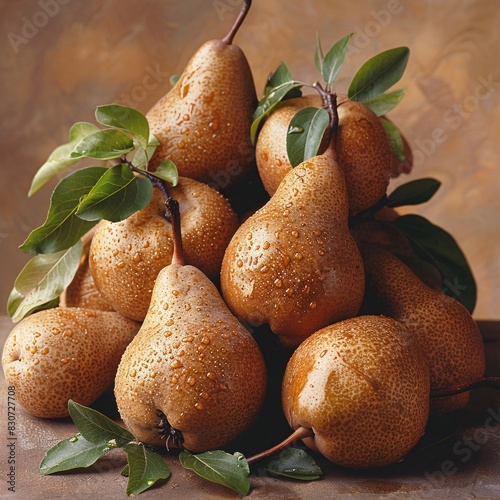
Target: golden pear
point(447, 333)
point(203, 123)
point(64, 353)
point(193, 373)
point(126, 256)
point(362, 386)
point(362, 147)
point(293, 264)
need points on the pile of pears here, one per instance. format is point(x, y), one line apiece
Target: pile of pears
point(166, 303)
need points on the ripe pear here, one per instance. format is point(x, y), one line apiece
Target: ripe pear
point(293, 264)
point(362, 146)
point(64, 353)
point(203, 123)
point(192, 370)
point(362, 386)
point(82, 292)
point(383, 233)
point(126, 256)
point(448, 334)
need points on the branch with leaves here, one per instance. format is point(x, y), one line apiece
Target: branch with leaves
point(84, 197)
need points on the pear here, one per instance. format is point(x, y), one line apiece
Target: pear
point(64, 353)
point(362, 387)
point(203, 123)
point(126, 256)
point(293, 264)
point(362, 147)
point(82, 291)
point(448, 334)
point(193, 372)
point(383, 233)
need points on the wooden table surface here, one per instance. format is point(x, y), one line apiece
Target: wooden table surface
point(458, 458)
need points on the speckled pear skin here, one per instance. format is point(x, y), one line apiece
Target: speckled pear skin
point(363, 386)
point(293, 264)
point(195, 362)
point(126, 256)
point(203, 123)
point(448, 334)
point(362, 147)
point(82, 292)
point(64, 353)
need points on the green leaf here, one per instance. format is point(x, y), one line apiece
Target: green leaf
point(395, 138)
point(72, 453)
point(62, 228)
point(318, 55)
point(294, 463)
point(413, 192)
point(42, 280)
point(174, 79)
point(167, 171)
point(143, 155)
point(305, 134)
point(385, 102)
point(437, 247)
point(280, 76)
point(279, 87)
point(61, 158)
point(221, 468)
point(378, 74)
point(145, 467)
point(125, 118)
point(334, 59)
point(104, 145)
point(98, 428)
point(116, 196)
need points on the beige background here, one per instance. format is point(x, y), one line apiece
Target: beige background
point(62, 58)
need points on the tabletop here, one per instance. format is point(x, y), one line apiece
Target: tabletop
point(458, 457)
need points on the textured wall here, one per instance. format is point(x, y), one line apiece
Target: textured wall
point(62, 58)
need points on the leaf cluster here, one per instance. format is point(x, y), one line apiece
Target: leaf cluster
point(83, 198)
point(97, 435)
point(369, 86)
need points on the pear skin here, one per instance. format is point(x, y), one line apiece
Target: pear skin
point(126, 256)
point(362, 147)
point(203, 123)
point(64, 353)
point(194, 362)
point(293, 264)
point(448, 334)
point(362, 385)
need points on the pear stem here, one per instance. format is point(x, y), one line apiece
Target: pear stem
point(330, 104)
point(228, 39)
point(172, 212)
point(299, 433)
point(175, 219)
point(459, 389)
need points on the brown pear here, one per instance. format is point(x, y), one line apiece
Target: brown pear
point(126, 256)
point(64, 353)
point(203, 123)
point(448, 334)
point(362, 386)
point(193, 374)
point(293, 264)
point(362, 147)
point(82, 292)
